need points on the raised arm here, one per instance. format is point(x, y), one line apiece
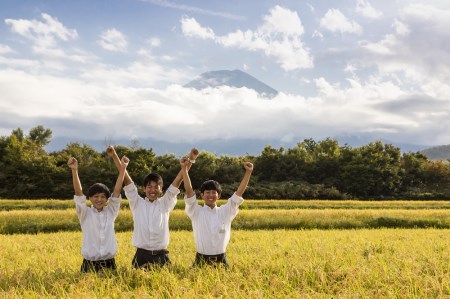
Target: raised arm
point(189, 161)
point(185, 163)
point(123, 168)
point(243, 185)
point(112, 153)
point(73, 165)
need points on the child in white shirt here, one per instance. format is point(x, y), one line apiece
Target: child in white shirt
point(99, 245)
point(212, 224)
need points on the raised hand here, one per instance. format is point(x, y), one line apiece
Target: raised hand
point(72, 163)
point(193, 155)
point(184, 162)
point(248, 166)
point(110, 151)
point(124, 161)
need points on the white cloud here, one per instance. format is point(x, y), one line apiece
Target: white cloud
point(19, 63)
point(46, 41)
point(282, 21)
point(317, 34)
point(415, 52)
point(191, 28)
point(154, 42)
point(74, 104)
point(278, 37)
point(401, 28)
point(335, 21)
point(381, 48)
point(113, 40)
point(364, 8)
point(402, 92)
point(43, 34)
point(350, 68)
point(5, 49)
point(144, 73)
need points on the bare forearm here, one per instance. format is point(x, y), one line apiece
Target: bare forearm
point(244, 183)
point(179, 178)
point(192, 157)
point(127, 179)
point(187, 183)
point(119, 182)
point(76, 183)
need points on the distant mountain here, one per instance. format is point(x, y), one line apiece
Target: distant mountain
point(234, 147)
point(363, 139)
point(441, 152)
point(234, 78)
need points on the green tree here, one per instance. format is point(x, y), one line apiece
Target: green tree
point(18, 133)
point(371, 170)
point(325, 165)
point(40, 135)
point(26, 169)
point(269, 164)
point(436, 176)
point(413, 176)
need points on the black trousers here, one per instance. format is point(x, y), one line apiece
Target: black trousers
point(95, 266)
point(148, 258)
point(214, 260)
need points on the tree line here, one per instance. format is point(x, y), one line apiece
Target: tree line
point(311, 169)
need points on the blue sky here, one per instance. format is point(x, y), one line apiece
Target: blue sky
point(115, 69)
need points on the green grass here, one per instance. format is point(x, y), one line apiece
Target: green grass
point(36, 221)
point(382, 263)
point(249, 204)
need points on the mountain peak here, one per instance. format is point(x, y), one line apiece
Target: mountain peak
point(235, 78)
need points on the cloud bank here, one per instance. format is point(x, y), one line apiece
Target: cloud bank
point(393, 86)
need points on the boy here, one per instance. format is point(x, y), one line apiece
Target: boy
point(212, 224)
point(151, 214)
point(99, 244)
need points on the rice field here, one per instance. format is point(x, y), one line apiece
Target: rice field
point(38, 221)
point(380, 263)
point(249, 204)
point(283, 252)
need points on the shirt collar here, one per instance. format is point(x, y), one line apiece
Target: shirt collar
point(213, 210)
point(148, 200)
point(96, 211)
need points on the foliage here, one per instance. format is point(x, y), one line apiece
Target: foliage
point(311, 169)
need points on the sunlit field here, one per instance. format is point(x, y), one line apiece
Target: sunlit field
point(397, 249)
point(58, 204)
point(35, 221)
point(389, 263)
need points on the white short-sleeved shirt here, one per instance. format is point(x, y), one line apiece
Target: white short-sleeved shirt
point(151, 219)
point(99, 239)
point(212, 227)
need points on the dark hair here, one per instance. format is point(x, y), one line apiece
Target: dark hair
point(99, 188)
point(211, 185)
point(153, 177)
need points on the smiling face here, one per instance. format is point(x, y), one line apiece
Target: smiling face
point(210, 197)
point(98, 200)
point(153, 190)
point(210, 192)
